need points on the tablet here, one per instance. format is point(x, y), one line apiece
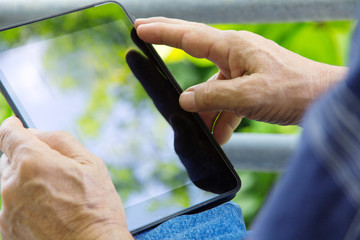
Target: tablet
point(87, 72)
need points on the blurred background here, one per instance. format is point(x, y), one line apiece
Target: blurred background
point(319, 30)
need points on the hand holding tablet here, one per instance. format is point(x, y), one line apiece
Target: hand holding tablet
point(54, 188)
point(73, 72)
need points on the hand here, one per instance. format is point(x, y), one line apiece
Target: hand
point(257, 78)
point(53, 188)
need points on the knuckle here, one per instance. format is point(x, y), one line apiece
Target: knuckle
point(207, 95)
point(246, 34)
point(4, 132)
point(6, 128)
point(27, 170)
point(100, 164)
point(231, 37)
point(90, 161)
point(27, 164)
point(7, 192)
point(5, 135)
point(59, 137)
point(231, 34)
point(24, 151)
point(246, 38)
point(203, 26)
point(242, 34)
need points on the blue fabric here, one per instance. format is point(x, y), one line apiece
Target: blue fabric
point(223, 222)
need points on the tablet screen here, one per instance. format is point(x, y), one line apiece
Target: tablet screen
point(72, 73)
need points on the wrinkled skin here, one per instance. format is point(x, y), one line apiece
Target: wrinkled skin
point(264, 81)
point(53, 188)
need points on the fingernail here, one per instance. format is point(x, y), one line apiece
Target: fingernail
point(187, 100)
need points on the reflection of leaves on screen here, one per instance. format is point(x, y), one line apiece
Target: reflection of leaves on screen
point(94, 61)
point(90, 60)
point(179, 196)
point(170, 174)
point(124, 182)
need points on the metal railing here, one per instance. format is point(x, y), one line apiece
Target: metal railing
point(260, 152)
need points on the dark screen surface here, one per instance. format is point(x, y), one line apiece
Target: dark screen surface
point(87, 72)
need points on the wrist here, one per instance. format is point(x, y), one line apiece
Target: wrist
point(336, 74)
point(329, 76)
point(316, 79)
point(108, 235)
point(117, 235)
point(101, 231)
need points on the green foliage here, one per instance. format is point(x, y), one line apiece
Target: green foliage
point(5, 110)
point(250, 126)
point(253, 193)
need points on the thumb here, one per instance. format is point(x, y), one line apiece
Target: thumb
point(214, 95)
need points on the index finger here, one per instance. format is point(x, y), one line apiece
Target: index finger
point(198, 40)
point(14, 138)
